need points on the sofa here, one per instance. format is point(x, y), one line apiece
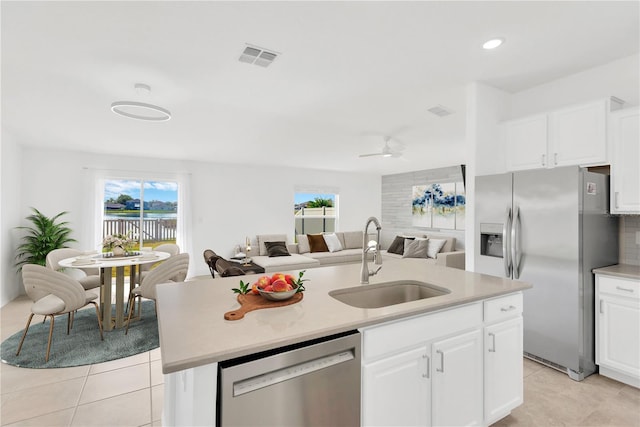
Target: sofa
point(316, 250)
point(435, 249)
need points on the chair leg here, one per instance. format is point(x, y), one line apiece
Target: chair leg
point(46, 359)
point(99, 321)
point(131, 304)
point(25, 334)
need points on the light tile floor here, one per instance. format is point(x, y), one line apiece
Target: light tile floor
point(129, 392)
point(124, 392)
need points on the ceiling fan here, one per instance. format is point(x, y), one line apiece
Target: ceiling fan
point(387, 151)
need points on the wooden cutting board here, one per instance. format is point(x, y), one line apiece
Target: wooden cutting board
point(250, 302)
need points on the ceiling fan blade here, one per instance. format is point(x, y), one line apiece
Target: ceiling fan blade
point(370, 155)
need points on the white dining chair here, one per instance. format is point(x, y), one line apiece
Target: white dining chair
point(54, 294)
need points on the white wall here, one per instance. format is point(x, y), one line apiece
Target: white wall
point(229, 202)
point(10, 198)
point(618, 78)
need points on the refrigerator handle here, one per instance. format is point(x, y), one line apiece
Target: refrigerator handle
point(506, 243)
point(515, 260)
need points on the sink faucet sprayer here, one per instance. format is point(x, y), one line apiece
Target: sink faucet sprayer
point(365, 273)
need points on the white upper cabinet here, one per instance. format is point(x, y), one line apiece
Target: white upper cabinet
point(577, 135)
point(526, 143)
point(574, 135)
point(625, 172)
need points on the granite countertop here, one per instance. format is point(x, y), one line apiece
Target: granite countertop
point(193, 331)
point(626, 271)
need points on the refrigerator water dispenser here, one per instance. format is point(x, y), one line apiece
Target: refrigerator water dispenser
point(491, 239)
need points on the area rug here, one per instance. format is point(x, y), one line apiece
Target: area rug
point(82, 346)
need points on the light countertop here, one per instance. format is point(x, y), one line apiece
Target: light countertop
point(626, 271)
point(193, 331)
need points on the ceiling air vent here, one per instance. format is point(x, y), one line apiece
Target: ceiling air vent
point(440, 110)
point(257, 56)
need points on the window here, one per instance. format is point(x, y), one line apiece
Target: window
point(145, 210)
point(315, 212)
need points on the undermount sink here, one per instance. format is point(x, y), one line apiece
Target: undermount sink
point(388, 293)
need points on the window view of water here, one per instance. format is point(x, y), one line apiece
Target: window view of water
point(110, 215)
point(125, 199)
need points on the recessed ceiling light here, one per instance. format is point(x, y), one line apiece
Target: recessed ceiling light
point(493, 43)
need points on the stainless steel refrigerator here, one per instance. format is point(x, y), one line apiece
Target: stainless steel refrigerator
point(550, 228)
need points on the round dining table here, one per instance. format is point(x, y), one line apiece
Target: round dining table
point(108, 265)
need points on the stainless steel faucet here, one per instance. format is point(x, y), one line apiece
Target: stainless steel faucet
point(365, 273)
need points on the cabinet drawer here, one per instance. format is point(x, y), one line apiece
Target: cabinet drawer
point(391, 337)
point(618, 286)
point(502, 308)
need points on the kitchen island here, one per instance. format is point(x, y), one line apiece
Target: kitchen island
point(194, 336)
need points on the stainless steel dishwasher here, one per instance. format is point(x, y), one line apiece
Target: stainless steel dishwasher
point(315, 383)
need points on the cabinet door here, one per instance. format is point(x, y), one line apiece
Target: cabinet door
point(457, 380)
point(577, 135)
point(526, 143)
point(618, 339)
point(503, 369)
point(625, 173)
point(396, 390)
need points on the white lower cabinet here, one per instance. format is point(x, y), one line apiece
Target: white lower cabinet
point(397, 390)
point(457, 380)
point(456, 367)
point(618, 328)
point(503, 390)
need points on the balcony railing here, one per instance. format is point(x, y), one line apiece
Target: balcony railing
point(153, 229)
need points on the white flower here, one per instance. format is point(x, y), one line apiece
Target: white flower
point(117, 240)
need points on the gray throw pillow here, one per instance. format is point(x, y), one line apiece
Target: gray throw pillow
point(397, 246)
point(415, 248)
point(276, 249)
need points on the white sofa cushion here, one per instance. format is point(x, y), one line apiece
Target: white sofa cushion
point(303, 244)
point(352, 239)
point(434, 246)
point(450, 242)
point(344, 256)
point(269, 238)
point(333, 243)
point(292, 262)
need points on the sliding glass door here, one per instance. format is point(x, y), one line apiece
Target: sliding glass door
point(144, 210)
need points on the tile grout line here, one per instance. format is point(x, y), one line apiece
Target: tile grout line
point(75, 408)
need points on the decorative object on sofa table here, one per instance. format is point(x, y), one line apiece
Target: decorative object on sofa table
point(119, 244)
point(247, 249)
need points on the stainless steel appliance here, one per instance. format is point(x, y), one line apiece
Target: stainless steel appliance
point(550, 228)
point(316, 383)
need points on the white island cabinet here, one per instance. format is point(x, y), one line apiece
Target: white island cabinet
point(503, 388)
point(436, 369)
point(618, 328)
point(423, 362)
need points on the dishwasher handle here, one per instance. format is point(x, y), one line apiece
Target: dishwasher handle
point(248, 385)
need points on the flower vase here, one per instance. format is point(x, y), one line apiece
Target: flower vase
point(118, 251)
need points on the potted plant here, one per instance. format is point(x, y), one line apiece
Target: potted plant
point(42, 237)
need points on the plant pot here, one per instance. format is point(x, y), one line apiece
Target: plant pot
point(118, 251)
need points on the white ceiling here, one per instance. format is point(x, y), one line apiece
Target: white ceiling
point(348, 73)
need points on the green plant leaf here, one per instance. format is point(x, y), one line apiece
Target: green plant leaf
point(43, 236)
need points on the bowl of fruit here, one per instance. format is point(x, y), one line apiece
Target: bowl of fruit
point(278, 287)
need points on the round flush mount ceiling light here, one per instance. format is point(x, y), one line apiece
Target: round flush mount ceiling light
point(141, 110)
point(493, 43)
